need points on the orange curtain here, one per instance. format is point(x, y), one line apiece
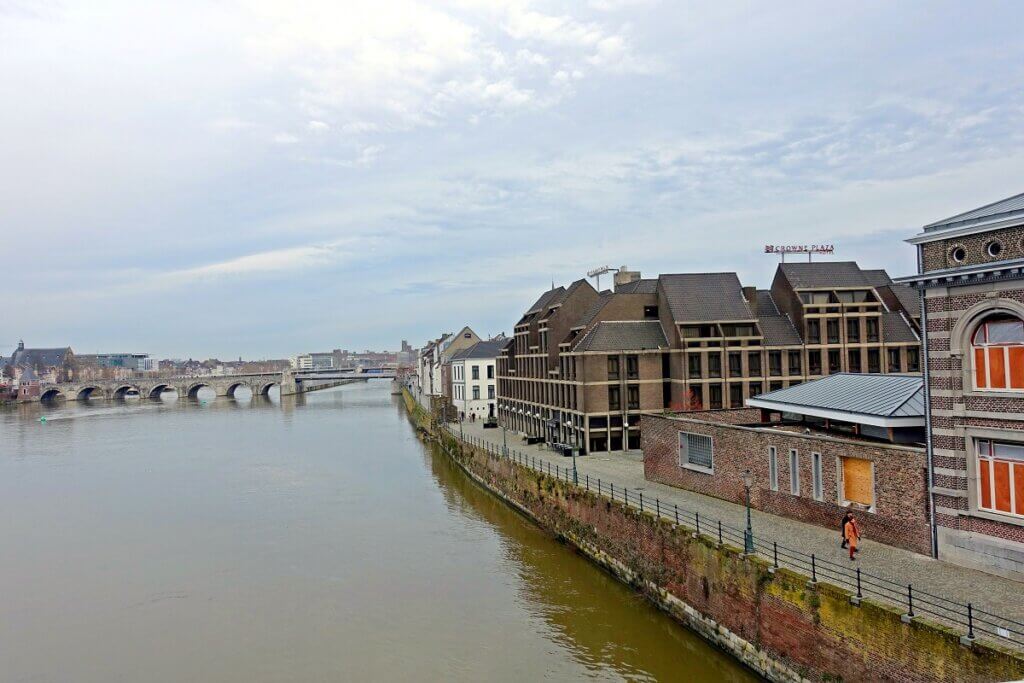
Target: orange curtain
point(1017, 367)
point(997, 367)
point(1002, 485)
point(979, 368)
point(985, 484)
point(1018, 487)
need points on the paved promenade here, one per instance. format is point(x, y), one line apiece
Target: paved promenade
point(992, 593)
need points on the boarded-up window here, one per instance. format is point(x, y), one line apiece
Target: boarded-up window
point(1001, 477)
point(999, 354)
point(858, 481)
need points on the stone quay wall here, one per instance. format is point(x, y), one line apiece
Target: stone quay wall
point(776, 623)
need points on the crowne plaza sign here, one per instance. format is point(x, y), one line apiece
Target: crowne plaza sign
point(799, 248)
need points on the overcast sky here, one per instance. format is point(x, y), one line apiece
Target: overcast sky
point(260, 179)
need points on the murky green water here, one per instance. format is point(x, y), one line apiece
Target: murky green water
point(310, 539)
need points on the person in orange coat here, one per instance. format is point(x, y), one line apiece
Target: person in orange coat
point(851, 533)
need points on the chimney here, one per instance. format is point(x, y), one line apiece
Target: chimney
point(750, 294)
point(21, 344)
point(624, 276)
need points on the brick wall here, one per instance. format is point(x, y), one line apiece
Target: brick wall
point(936, 254)
point(900, 516)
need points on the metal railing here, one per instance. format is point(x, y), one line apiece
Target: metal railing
point(972, 621)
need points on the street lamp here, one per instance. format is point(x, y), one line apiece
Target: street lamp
point(504, 439)
point(748, 535)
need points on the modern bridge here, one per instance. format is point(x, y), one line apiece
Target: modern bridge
point(289, 382)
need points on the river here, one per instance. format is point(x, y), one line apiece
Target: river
point(311, 538)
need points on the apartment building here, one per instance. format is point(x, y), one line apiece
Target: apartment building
point(582, 366)
point(971, 278)
point(474, 380)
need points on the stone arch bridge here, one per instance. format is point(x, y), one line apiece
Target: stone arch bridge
point(223, 385)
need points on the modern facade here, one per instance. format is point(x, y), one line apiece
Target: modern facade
point(313, 361)
point(582, 366)
point(971, 282)
point(474, 381)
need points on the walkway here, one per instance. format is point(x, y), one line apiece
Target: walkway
point(987, 592)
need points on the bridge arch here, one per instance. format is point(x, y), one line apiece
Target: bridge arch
point(51, 394)
point(157, 389)
point(264, 388)
point(235, 386)
point(85, 393)
point(122, 391)
point(193, 389)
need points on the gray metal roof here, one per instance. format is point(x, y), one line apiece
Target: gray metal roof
point(825, 274)
point(895, 328)
point(1004, 208)
point(631, 335)
point(482, 349)
point(856, 395)
point(699, 297)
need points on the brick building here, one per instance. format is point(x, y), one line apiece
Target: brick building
point(843, 442)
point(582, 366)
point(971, 277)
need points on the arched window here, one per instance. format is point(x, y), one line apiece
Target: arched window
point(998, 345)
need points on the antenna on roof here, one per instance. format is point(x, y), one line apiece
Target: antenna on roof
point(809, 249)
point(596, 273)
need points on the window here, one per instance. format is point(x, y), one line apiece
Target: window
point(735, 365)
point(651, 312)
point(874, 361)
point(613, 367)
point(773, 468)
point(696, 451)
point(834, 361)
point(476, 393)
point(858, 481)
point(633, 397)
point(1001, 477)
point(794, 473)
point(894, 360)
point(755, 388)
point(794, 362)
point(833, 331)
point(814, 362)
point(735, 395)
point(958, 254)
point(816, 475)
point(853, 360)
point(775, 363)
point(490, 392)
point(852, 330)
point(714, 365)
point(913, 360)
point(476, 372)
point(632, 367)
point(754, 363)
point(872, 325)
point(813, 331)
point(998, 346)
point(994, 248)
point(693, 365)
point(490, 372)
point(715, 396)
point(614, 399)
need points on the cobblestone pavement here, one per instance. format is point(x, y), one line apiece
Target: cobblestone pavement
point(988, 592)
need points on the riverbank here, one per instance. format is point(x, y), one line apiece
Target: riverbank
point(773, 620)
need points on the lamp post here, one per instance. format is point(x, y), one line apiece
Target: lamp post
point(748, 535)
point(504, 439)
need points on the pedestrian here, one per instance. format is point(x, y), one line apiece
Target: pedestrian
point(852, 534)
point(842, 528)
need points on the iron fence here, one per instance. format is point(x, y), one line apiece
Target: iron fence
point(972, 621)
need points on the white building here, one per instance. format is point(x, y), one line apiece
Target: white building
point(312, 361)
point(473, 379)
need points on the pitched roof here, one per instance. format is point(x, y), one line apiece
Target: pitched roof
point(825, 274)
point(778, 330)
point(600, 302)
point(482, 349)
point(765, 303)
point(641, 286)
point(1004, 208)
point(545, 300)
point(882, 400)
point(895, 328)
point(625, 335)
point(46, 358)
point(694, 297)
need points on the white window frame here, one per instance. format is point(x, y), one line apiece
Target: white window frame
point(818, 488)
point(988, 365)
point(684, 453)
point(978, 457)
point(773, 468)
point(794, 471)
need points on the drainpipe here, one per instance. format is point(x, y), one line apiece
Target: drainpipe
point(928, 412)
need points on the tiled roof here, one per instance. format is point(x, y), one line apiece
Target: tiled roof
point(825, 274)
point(896, 329)
point(595, 308)
point(856, 394)
point(908, 298)
point(778, 330)
point(765, 303)
point(632, 335)
point(545, 300)
point(641, 286)
point(40, 357)
point(1010, 207)
point(482, 349)
point(694, 297)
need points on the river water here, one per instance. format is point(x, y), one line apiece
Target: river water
point(301, 539)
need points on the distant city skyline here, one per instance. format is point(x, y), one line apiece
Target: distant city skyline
point(187, 180)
